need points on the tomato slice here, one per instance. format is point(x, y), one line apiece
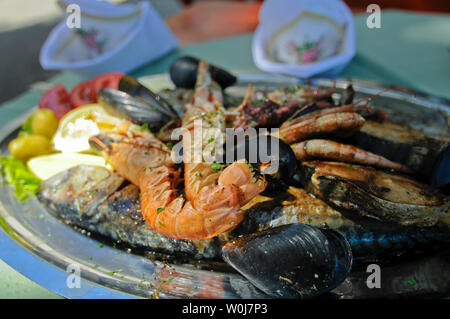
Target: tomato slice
point(107, 80)
point(56, 99)
point(81, 94)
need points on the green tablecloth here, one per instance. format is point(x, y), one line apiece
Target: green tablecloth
point(409, 50)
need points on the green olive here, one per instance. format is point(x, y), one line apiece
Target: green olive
point(28, 146)
point(44, 122)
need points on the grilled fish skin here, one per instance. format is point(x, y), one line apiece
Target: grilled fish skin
point(378, 194)
point(368, 237)
point(90, 197)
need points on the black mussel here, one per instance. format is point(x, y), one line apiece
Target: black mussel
point(137, 111)
point(440, 176)
point(130, 85)
point(183, 73)
point(272, 157)
point(264, 149)
point(369, 238)
point(347, 95)
point(291, 261)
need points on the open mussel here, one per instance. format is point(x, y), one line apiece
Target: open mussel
point(130, 85)
point(133, 109)
point(291, 261)
point(183, 73)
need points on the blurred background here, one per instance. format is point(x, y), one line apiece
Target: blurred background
point(25, 24)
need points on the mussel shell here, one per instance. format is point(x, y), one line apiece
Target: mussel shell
point(347, 95)
point(283, 154)
point(124, 105)
point(183, 73)
point(291, 261)
point(440, 175)
point(130, 85)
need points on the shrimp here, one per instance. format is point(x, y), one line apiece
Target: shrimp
point(214, 195)
point(345, 122)
point(308, 121)
point(342, 152)
point(147, 163)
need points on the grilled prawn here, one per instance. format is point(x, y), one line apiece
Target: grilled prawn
point(214, 196)
point(327, 149)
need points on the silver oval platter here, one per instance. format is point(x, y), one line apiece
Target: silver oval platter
point(53, 253)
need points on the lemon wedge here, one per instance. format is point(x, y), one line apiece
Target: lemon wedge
point(47, 166)
point(77, 126)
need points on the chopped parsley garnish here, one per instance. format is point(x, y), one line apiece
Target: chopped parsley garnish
point(100, 245)
point(144, 127)
point(410, 282)
point(216, 167)
point(168, 280)
point(120, 235)
point(294, 88)
point(260, 101)
point(112, 273)
point(169, 145)
point(159, 210)
point(211, 140)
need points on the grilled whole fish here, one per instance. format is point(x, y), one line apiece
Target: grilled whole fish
point(401, 144)
point(375, 193)
point(368, 237)
point(90, 197)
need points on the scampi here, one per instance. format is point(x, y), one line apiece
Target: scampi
point(95, 199)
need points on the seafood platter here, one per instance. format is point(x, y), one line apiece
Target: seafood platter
point(346, 177)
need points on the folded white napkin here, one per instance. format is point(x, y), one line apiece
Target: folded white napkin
point(304, 38)
point(110, 38)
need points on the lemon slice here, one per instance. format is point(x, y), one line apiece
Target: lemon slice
point(47, 166)
point(77, 126)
